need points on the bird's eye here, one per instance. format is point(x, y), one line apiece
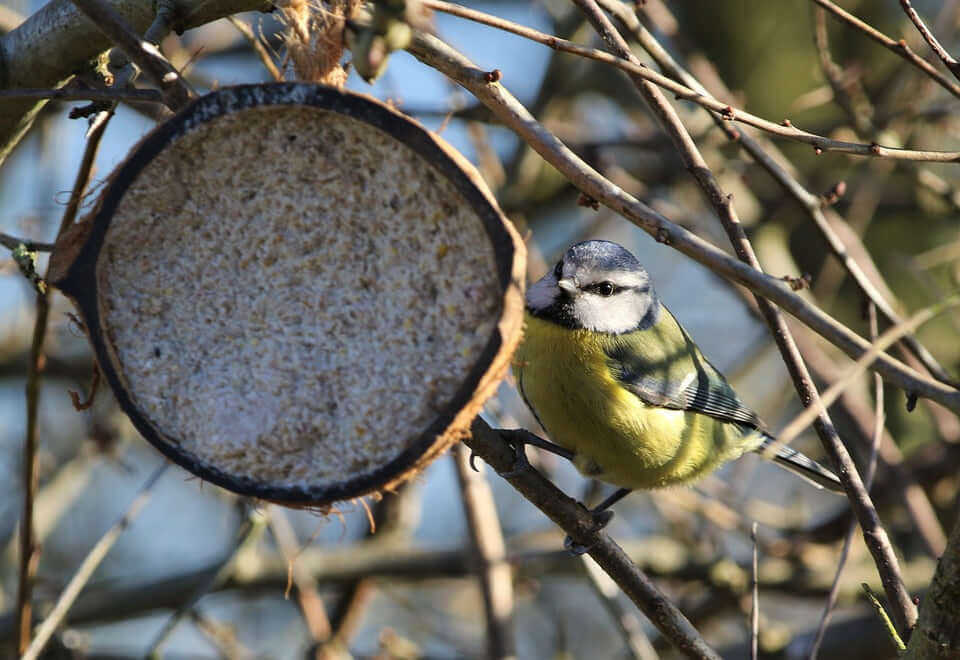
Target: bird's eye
point(605, 289)
point(558, 270)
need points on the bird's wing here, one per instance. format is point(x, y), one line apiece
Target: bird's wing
point(665, 368)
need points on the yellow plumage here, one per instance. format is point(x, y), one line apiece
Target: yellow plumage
point(565, 376)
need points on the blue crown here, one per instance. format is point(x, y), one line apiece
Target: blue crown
point(602, 255)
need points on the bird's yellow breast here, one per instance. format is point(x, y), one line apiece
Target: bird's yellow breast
point(565, 377)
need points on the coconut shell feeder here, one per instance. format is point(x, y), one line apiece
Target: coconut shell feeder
point(297, 293)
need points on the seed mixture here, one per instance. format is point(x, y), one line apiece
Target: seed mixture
point(292, 295)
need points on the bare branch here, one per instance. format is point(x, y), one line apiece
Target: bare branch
point(726, 111)
point(70, 93)
point(253, 525)
point(495, 574)
point(948, 60)
point(54, 42)
point(89, 564)
point(576, 521)
point(878, 424)
point(442, 57)
point(11, 242)
point(146, 55)
point(897, 47)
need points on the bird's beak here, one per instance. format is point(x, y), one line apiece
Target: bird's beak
point(567, 285)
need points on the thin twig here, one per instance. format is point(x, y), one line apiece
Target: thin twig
point(29, 555)
point(903, 487)
point(176, 91)
point(878, 424)
point(89, 564)
point(812, 204)
point(73, 93)
point(805, 417)
point(892, 632)
point(848, 94)
point(905, 611)
point(948, 60)
point(221, 636)
point(784, 129)
point(486, 537)
point(311, 605)
point(249, 532)
point(898, 47)
point(637, 643)
point(257, 47)
point(11, 242)
point(755, 596)
point(514, 115)
point(576, 521)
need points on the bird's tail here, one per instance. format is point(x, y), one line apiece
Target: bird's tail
point(800, 465)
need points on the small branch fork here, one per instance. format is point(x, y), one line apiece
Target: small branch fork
point(142, 51)
point(783, 129)
point(948, 60)
point(898, 47)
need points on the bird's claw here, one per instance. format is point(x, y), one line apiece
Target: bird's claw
point(600, 520)
point(473, 461)
point(520, 462)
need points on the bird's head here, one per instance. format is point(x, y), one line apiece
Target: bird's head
point(597, 285)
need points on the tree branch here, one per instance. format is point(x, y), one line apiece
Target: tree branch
point(442, 57)
point(576, 521)
point(729, 113)
point(873, 532)
point(57, 40)
point(176, 91)
point(896, 47)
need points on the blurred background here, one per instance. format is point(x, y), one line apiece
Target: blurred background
point(220, 563)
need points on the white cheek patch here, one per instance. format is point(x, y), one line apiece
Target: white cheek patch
point(542, 293)
point(616, 314)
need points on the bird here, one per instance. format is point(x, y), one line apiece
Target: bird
point(622, 390)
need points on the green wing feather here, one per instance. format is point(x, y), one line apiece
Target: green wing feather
point(663, 366)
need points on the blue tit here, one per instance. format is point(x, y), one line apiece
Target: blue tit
point(620, 387)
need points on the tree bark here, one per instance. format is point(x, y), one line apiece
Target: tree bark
point(937, 635)
point(55, 42)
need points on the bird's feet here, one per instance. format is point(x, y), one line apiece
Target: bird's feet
point(602, 515)
point(520, 462)
point(600, 520)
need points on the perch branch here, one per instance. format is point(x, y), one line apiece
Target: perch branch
point(580, 525)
